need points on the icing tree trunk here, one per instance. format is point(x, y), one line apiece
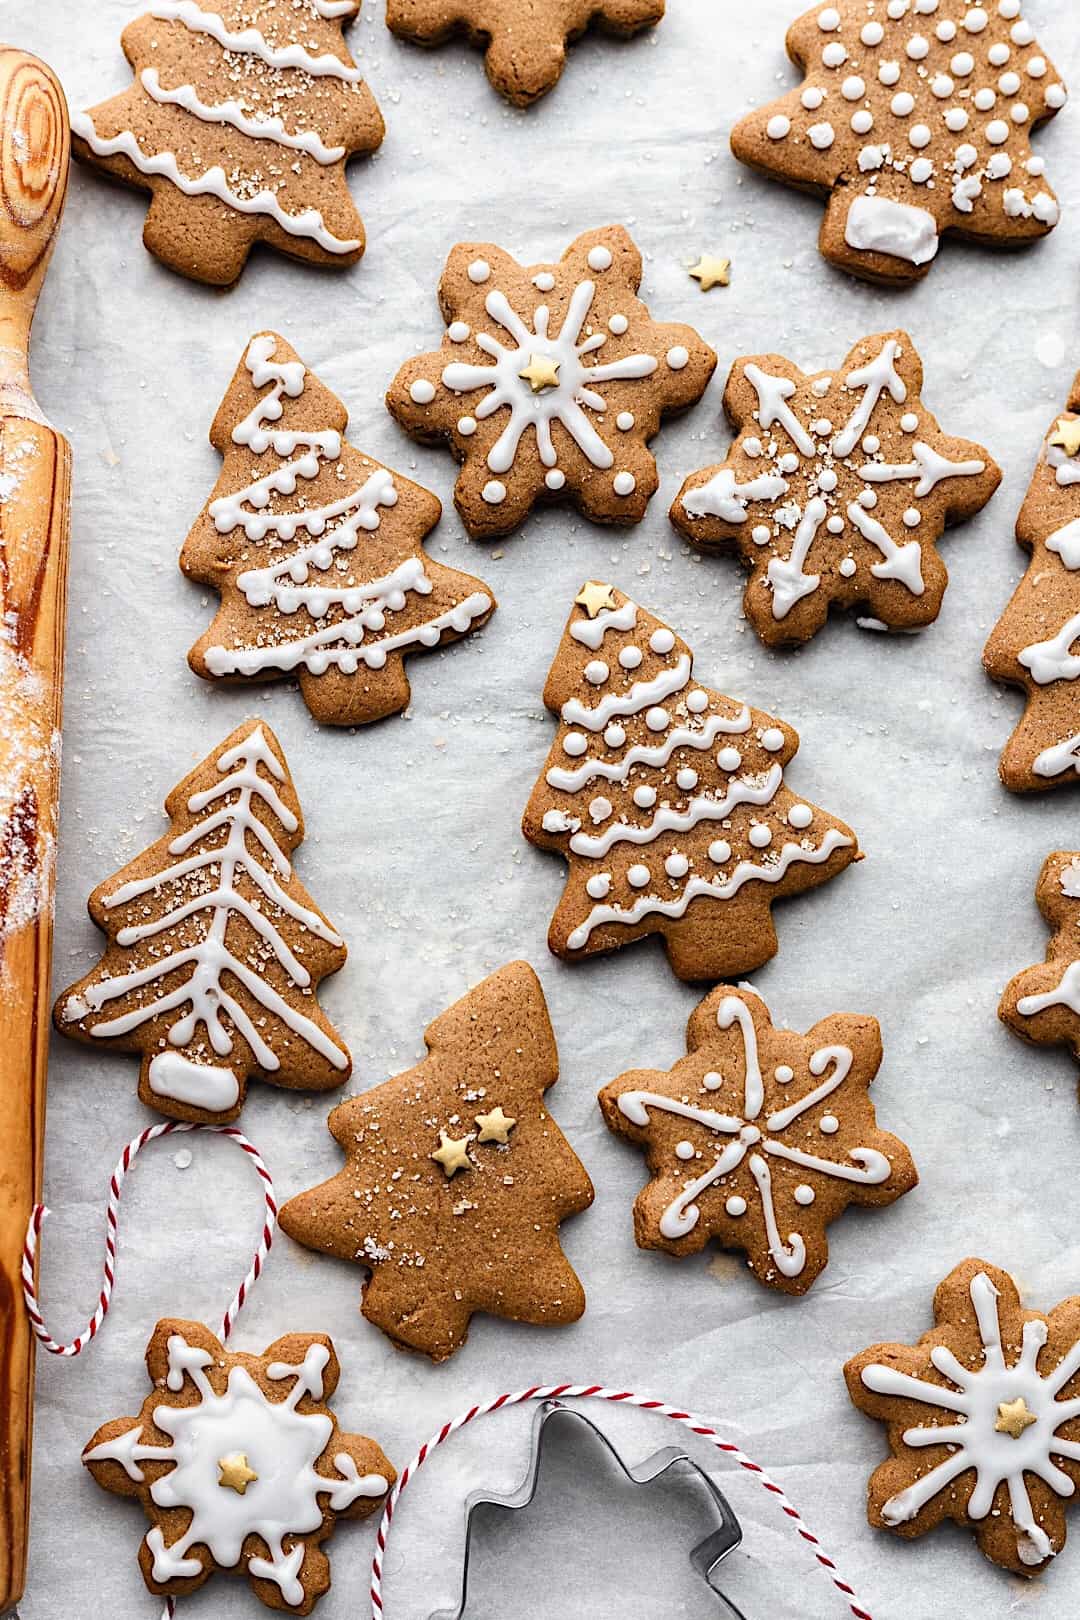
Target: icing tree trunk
point(316, 550)
point(216, 950)
point(240, 125)
point(1033, 645)
point(668, 800)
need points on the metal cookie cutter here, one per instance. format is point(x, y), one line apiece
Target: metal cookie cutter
point(705, 1558)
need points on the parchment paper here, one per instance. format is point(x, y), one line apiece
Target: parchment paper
point(414, 847)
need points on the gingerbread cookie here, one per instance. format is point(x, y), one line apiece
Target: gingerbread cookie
point(1042, 1004)
point(316, 550)
point(1031, 644)
point(759, 1137)
point(914, 118)
point(984, 1420)
point(551, 380)
point(240, 124)
point(215, 948)
point(239, 1464)
point(836, 490)
point(668, 801)
point(457, 1178)
point(524, 41)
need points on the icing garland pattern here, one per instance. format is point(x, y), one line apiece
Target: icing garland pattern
point(216, 949)
point(523, 392)
point(329, 116)
point(297, 1469)
point(679, 820)
point(915, 117)
point(836, 490)
point(738, 1158)
point(1044, 749)
point(319, 571)
point(995, 1413)
point(1042, 1004)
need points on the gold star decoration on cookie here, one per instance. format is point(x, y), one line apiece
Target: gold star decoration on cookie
point(495, 1127)
point(711, 272)
point(1067, 435)
point(453, 1153)
point(1013, 1418)
point(541, 372)
point(235, 1475)
point(595, 597)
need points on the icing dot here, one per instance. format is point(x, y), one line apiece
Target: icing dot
point(1021, 33)
point(1020, 113)
point(598, 886)
point(956, 119)
point(835, 525)
point(729, 759)
point(638, 876)
point(457, 331)
point(976, 20)
point(624, 483)
point(493, 492)
point(1009, 83)
point(800, 816)
point(919, 136)
point(962, 64)
point(712, 1081)
point(834, 55)
point(618, 324)
point(479, 271)
point(761, 534)
point(772, 739)
point(596, 672)
point(912, 517)
point(872, 34)
point(847, 568)
point(997, 132)
point(644, 797)
point(422, 392)
point(1056, 96)
point(828, 1124)
point(804, 1195)
point(677, 358)
point(871, 444)
point(575, 743)
point(760, 835)
point(631, 657)
point(687, 779)
point(662, 640)
point(752, 447)
point(1008, 8)
point(917, 47)
point(784, 1073)
point(624, 421)
point(1035, 165)
point(853, 88)
point(697, 702)
point(889, 72)
point(789, 463)
point(735, 1205)
point(821, 136)
point(599, 258)
point(909, 422)
point(998, 55)
point(600, 809)
point(466, 426)
point(828, 20)
point(862, 122)
point(614, 736)
point(676, 866)
point(984, 100)
point(544, 281)
point(657, 719)
point(903, 103)
point(778, 127)
point(999, 166)
point(812, 98)
point(555, 479)
point(942, 86)
point(684, 1150)
point(946, 32)
point(719, 851)
point(1037, 67)
point(965, 156)
point(828, 480)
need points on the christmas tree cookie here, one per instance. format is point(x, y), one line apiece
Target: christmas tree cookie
point(668, 801)
point(215, 950)
point(524, 41)
point(914, 118)
point(316, 550)
point(983, 1418)
point(239, 1464)
point(759, 1137)
point(240, 123)
point(836, 490)
point(457, 1177)
point(551, 380)
point(1032, 644)
point(1042, 1004)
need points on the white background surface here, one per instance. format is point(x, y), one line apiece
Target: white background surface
point(414, 847)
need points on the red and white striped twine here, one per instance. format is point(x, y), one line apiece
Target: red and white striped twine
point(623, 1397)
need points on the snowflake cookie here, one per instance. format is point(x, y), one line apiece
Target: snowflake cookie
point(239, 124)
point(216, 949)
point(759, 1137)
point(239, 1464)
point(914, 117)
point(551, 381)
point(316, 550)
point(984, 1419)
point(1042, 1004)
point(1031, 645)
point(836, 490)
point(668, 801)
point(457, 1178)
point(524, 41)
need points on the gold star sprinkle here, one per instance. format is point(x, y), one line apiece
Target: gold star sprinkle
point(711, 272)
point(1067, 435)
point(541, 372)
point(1013, 1418)
point(453, 1154)
point(595, 597)
point(495, 1127)
point(235, 1473)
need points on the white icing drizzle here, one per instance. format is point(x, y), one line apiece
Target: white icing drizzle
point(875, 378)
point(723, 497)
point(202, 1085)
point(203, 991)
point(773, 394)
point(790, 584)
point(1063, 756)
point(716, 725)
point(1052, 660)
point(881, 225)
point(563, 403)
point(1066, 468)
point(926, 465)
point(640, 696)
point(1066, 543)
point(667, 820)
point(591, 632)
point(1067, 993)
point(268, 128)
point(973, 1439)
point(757, 1142)
point(901, 562)
point(250, 42)
point(282, 1445)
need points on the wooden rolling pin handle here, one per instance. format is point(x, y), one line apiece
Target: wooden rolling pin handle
point(35, 477)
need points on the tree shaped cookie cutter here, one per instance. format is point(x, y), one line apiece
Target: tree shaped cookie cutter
point(706, 1558)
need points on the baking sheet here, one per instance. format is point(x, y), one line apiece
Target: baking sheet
point(413, 842)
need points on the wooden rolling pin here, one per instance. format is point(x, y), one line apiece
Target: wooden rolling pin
point(35, 487)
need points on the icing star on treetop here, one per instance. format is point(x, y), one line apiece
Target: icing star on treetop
point(595, 597)
point(1067, 435)
point(453, 1153)
point(836, 490)
point(710, 272)
point(1013, 1418)
point(550, 383)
